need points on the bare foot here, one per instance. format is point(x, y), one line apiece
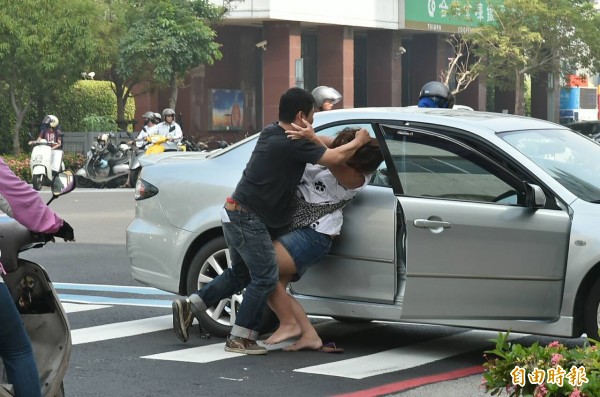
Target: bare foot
point(284, 332)
point(314, 343)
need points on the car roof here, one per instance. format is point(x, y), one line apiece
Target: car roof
point(461, 119)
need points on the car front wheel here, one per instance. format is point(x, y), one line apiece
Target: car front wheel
point(591, 313)
point(210, 261)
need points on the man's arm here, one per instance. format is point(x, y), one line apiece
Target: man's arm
point(341, 154)
point(331, 157)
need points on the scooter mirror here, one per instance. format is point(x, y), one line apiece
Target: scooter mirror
point(62, 183)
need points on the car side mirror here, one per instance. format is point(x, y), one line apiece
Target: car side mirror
point(534, 196)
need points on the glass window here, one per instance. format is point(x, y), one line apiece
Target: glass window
point(568, 157)
point(432, 166)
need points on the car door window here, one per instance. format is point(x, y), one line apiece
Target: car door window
point(379, 177)
point(431, 165)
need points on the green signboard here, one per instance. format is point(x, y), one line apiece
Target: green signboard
point(436, 15)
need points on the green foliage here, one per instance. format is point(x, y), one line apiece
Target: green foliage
point(99, 123)
point(513, 368)
point(167, 38)
point(44, 46)
point(86, 98)
point(20, 164)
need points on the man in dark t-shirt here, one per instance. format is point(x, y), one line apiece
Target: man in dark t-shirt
point(258, 207)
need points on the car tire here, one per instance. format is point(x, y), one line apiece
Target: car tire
point(211, 260)
point(591, 313)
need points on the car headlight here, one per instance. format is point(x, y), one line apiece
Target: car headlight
point(144, 190)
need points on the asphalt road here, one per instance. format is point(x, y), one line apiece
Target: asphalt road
point(124, 344)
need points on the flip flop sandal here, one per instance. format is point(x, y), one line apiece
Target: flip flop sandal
point(330, 347)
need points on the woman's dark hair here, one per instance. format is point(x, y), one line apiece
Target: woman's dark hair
point(367, 158)
point(293, 101)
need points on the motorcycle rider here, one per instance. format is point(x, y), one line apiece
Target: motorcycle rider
point(170, 129)
point(435, 94)
point(326, 97)
point(50, 131)
point(149, 128)
point(20, 201)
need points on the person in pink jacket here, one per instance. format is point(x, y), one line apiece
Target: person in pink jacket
point(21, 202)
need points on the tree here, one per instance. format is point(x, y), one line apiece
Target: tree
point(534, 37)
point(167, 38)
point(44, 46)
point(463, 68)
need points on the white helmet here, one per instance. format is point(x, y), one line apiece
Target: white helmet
point(324, 93)
point(50, 120)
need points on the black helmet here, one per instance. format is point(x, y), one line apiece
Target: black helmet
point(323, 93)
point(439, 93)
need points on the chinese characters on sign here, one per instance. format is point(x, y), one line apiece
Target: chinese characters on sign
point(556, 375)
point(449, 15)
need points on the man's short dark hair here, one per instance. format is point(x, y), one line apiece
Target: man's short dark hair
point(293, 101)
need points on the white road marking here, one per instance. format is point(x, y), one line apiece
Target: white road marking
point(121, 330)
point(407, 356)
point(200, 354)
point(75, 307)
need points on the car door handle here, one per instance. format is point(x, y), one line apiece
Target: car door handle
point(431, 224)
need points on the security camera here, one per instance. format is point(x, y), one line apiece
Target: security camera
point(262, 44)
point(402, 50)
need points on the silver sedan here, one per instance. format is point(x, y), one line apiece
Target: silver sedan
point(474, 219)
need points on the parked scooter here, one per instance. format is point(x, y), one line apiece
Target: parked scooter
point(34, 295)
point(106, 165)
point(44, 163)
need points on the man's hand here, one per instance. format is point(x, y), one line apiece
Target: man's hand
point(363, 136)
point(306, 132)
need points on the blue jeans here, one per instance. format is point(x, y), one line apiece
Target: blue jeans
point(15, 349)
point(306, 246)
point(253, 266)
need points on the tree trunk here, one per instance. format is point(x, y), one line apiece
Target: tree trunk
point(174, 90)
point(519, 93)
point(19, 117)
point(121, 102)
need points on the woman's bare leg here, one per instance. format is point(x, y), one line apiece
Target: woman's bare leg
point(280, 301)
point(309, 339)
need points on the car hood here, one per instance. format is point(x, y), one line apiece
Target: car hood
point(150, 159)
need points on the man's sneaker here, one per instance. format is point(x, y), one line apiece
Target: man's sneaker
point(236, 344)
point(182, 318)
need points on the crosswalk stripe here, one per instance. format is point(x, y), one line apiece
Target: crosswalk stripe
point(121, 330)
point(200, 354)
point(77, 307)
point(404, 357)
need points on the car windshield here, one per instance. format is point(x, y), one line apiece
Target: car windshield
point(568, 157)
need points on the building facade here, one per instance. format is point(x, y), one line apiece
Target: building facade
point(374, 52)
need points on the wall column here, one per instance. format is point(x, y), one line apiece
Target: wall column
point(279, 60)
point(336, 61)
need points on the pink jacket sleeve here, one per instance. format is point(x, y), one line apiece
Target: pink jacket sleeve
point(26, 205)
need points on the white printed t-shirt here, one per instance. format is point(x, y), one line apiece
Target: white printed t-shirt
point(319, 186)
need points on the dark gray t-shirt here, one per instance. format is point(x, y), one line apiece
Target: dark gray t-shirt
point(272, 174)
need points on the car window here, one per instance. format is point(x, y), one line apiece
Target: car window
point(429, 165)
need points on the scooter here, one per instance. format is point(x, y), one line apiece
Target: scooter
point(34, 295)
point(106, 165)
point(44, 163)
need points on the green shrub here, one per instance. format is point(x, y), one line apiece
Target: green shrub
point(95, 123)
